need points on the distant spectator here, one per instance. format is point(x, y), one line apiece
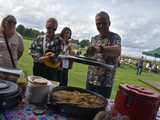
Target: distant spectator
point(149, 66)
point(78, 53)
point(155, 68)
point(121, 61)
point(139, 66)
point(129, 61)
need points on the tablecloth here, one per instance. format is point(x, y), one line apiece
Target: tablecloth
point(24, 112)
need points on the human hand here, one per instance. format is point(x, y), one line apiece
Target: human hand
point(69, 47)
point(35, 56)
point(43, 58)
point(91, 51)
point(49, 56)
point(98, 48)
point(108, 115)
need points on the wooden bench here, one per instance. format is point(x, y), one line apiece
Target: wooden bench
point(153, 84)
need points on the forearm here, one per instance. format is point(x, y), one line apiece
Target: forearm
point(35, 55)
point(20, 50)
point(111, 50)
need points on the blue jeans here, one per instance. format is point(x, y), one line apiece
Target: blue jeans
point(139, 71)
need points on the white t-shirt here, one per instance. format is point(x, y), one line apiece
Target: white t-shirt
point(65, 62)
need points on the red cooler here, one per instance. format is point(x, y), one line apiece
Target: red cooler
point(136, 102)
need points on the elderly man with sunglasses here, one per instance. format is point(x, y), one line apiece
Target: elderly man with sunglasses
point(43, 43)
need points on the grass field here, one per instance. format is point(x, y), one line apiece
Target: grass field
point(77, 76)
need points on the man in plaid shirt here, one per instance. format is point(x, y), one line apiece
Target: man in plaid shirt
point(43, 43)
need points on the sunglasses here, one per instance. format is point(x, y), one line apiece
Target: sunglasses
point(51, 29)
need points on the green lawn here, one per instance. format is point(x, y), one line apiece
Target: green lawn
point(77, 76)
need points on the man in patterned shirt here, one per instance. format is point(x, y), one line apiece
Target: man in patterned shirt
point(43, 43)
point(107, 48)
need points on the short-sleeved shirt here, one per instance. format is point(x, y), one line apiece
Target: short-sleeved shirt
point(140, 63)
point(16, 47)
point(100, 76)
point(65, 62)
point(42, 44)
point(66, 51)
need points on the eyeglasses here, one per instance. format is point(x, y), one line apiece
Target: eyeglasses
point(50, 29)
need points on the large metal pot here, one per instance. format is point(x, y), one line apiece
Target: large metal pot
point(10, 94)
point(71, 110)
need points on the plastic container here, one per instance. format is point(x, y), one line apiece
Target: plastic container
point(37, 94)
point(136, 102)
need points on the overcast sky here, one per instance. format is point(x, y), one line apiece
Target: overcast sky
point(137, 21)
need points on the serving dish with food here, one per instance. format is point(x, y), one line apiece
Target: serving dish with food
point(77, 102)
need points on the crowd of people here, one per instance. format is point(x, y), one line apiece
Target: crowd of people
point(140, 64)
point(152, 67)
point(105, 47)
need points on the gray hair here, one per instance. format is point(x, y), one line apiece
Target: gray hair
point(53, 20)
point(104, 15)
point(9, 19)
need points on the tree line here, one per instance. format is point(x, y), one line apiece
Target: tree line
point(31, 34)
point(27, 32)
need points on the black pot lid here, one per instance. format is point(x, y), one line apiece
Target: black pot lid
point(7, 88)
point(3, 85)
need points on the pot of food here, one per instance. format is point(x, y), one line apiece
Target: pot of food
point(38, 89)
point(77, 102)
point(10, 94)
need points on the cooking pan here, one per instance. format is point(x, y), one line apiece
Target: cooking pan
point(74, 111)
point(82, 60)
point(88, 61)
